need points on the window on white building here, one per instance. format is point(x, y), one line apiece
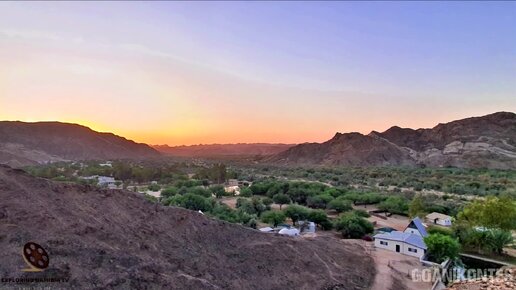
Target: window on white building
point(384, 243)
point(412, 250)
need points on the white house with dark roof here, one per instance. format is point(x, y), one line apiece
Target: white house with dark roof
point(409, 242)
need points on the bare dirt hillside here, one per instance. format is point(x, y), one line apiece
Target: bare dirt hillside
point(24, 143)
point(109, 239)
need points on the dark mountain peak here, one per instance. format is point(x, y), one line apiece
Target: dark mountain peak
point(23, 143)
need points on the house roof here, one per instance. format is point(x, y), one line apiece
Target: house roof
point(408, 238)
point(420, 227)
point(436, 215)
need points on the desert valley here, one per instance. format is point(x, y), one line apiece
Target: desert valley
point(258, 145)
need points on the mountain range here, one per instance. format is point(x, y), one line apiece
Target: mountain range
point(479, 142)
point(213, 150)
point(24, 143)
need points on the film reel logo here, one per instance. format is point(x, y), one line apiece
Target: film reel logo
point(35, 256)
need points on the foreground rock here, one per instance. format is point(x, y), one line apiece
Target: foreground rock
point(106, 239)
point(505, 280)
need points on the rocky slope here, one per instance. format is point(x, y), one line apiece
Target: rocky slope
point(29, 143)
point(114, 239)
point(214, 150)
point(488, 142)
point(351, 149)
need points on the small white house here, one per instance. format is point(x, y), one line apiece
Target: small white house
point(439, 219)
point(401, 242)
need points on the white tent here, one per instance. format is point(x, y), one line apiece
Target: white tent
point(289, 232)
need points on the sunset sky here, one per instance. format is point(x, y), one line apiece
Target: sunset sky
point(189, 73)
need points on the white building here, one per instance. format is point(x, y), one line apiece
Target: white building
point(409, 242)
point(439, 219)
point(400, 242)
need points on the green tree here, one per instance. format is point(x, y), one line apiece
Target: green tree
point(218, 190)
point(498, 239)
point(169, 191)
point(281, 199)
point(352, 226)
point(340, 205)
point(417, 207)
point(246, 192)
point(442, 247)
point(195, 202)
point(394, 204)
point(493, 212)
point(320, 218)
point(319, 201)
point(273, 217)
point(296, 212)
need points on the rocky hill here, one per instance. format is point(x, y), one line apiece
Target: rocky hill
point(115, 239)
point(351, 149)
point(214, 150)
point(488, 142)
point(29, 143)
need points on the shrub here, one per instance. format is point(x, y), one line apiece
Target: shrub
point(440, 247)
point(273, 217)
point(340, 205)
point(352, 226)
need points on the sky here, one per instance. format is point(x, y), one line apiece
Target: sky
point(282, 72)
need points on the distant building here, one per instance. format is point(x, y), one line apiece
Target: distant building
point(439, 219)
point(103, 181)
point(106, 164)
point(232, 182)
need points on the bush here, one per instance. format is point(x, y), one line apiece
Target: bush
point(195, 202)
point(296, 212)
point(395, 205)
point(319, 201)
point(218, 190)
point(340, 205)
point(439, 230)
point(154, 187)
point(319, 217)
point(273, 217)
point(442, 247)
point(352, 226)
point(361, 213)
point(246, 192)
point(169, 191)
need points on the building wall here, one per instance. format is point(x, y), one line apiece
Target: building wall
point(444, 222)
point(412, 231)
point(404, 248)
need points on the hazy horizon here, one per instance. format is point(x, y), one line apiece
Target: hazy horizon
point(182, 73)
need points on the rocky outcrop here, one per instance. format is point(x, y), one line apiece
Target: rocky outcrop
point(479, 142)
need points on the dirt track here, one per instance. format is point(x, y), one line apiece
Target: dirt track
point(115, 239)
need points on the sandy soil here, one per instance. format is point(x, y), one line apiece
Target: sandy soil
point(116, 239)
point(393, 269)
